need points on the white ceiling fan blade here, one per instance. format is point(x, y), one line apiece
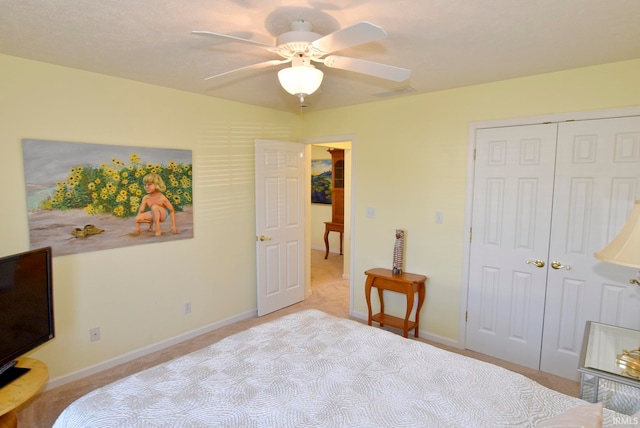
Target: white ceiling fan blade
point(376, 69)
point(228, 36)
point(356, 34)
point(252, 67)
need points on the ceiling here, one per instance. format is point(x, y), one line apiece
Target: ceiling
point(445, 43)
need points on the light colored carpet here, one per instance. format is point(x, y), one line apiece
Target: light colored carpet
point(330, 293)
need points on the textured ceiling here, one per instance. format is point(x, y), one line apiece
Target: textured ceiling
point(445, 43)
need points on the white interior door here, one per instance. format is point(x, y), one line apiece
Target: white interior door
point(279, 183)
point(513, 188)
point(597, 181)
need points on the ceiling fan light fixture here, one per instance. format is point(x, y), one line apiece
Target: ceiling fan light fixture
point(300, 79)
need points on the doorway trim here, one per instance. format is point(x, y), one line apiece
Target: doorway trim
point(468, 202)
point(349, 202)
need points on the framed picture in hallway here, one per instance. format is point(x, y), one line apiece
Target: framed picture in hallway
point(321, 181)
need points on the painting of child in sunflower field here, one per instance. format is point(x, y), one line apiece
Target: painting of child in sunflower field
point(89, 197)
point(155, 208)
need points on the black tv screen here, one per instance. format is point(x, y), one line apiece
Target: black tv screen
point(26, 303)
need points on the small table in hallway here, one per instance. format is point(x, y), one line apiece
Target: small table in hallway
point(332, 227)
point(407, 283)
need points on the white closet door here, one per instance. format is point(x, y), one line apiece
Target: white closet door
point(597, 181)
point(513, 189)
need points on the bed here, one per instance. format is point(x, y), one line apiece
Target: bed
point(311, 369)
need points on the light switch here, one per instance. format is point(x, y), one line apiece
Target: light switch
point(439, 217)
point(371, 212)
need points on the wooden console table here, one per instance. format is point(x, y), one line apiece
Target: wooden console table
point(332, 227)
point(407, 283)
point(21, 389)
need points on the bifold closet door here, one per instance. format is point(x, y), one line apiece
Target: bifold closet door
point(597, 181)
point(512, 201)
point(537, 221)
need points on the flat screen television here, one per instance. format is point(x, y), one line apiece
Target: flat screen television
point(26, 308)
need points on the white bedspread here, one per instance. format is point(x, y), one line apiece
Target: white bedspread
point(310, 369)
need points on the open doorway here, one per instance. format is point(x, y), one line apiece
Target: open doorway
point(332, 271)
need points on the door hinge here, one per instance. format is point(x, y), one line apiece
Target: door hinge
point(470, 234)
point(466, 316)
point(474, 154)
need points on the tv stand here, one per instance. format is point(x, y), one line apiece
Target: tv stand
point(20, 390)
point(8, 366)
point(9, 372)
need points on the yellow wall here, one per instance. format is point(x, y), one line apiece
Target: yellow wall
point(136, 294)
point(411, 161)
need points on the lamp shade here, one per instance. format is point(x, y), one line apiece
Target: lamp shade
point(301, 79)
point(624, 249)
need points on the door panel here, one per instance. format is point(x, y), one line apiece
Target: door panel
point(511, 220)
point(597, 181)
point(279, 178)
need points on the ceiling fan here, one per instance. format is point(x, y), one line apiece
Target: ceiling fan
point(301, 46)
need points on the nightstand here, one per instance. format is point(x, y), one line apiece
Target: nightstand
point(602, 380)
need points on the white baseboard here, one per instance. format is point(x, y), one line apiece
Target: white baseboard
point(130, 356)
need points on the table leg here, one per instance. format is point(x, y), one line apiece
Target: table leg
point(421, 293)
point(367, 294)
point(9, 420)
point(326, 241)
point(410, 298)
point(381, 298)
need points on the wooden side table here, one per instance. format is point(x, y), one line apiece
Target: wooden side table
point(22, 389)
point(407, 283)
point(332, 227)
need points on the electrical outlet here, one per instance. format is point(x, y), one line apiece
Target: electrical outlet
point(439, 217)
point(94, 334)
point(187, 307)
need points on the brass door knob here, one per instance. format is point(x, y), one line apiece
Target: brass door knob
point(538, 263)
point(264, 238)
point(557, 265)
